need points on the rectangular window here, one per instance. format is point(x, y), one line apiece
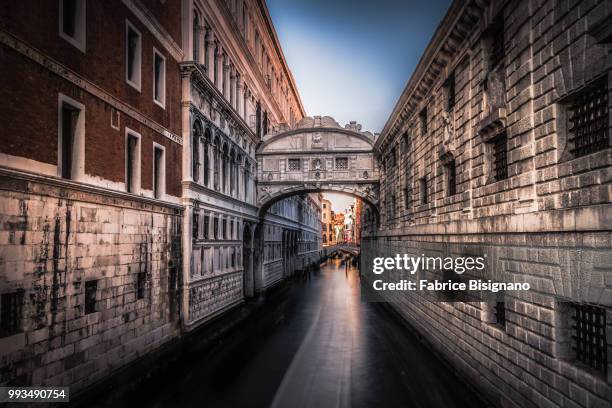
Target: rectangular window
point(293, 164)
point(216, 227)
point(500, 313)
point(132, 173)
point(588, 119)
point(141, 284)
point(205, 225)
point(224, 228)
point(423, 120)
point(423, 188)
point(449, 86)
point(500, 156)
point(91, 287)
point(451, 178)
point(11, 313)
point(68, 128)
point(589, 339)
point(498, 51)
point(159, 172)
point(133, 57)
point(72, 21)
point(341, 163)
point(159, 78)
point(407, 194)
point(231, 229)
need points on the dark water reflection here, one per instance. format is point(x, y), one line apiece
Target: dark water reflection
point(314, 345)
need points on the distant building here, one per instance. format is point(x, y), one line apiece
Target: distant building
point(327, 223)
point(357, 222)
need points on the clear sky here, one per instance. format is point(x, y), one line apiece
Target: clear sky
point(352, 59)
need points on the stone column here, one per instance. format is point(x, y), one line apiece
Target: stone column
point(232, 91)
point(226, 77)
point(239, 96)
point(219, 67)
point(210, 55)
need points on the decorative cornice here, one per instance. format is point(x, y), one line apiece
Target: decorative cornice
point(86, 85)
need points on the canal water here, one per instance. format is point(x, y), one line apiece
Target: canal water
point(313, 344)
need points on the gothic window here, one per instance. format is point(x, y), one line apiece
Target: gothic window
point(207, 142)
point(195, 160)
point(588, 119)
point(451, 178)
point(11, 313)
point(500, 156)
point(293, 164)
point(342, 163)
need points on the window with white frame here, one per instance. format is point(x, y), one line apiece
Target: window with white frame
point(133, 55)
point(72, 22)
point(132, 161)
point(71, 136)
point(159, 78)
point(159, 171)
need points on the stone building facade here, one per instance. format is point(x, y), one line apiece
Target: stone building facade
point(90, 238)
point(504, 136)
point(327, 223)
point(236, 88)
point(127, 178)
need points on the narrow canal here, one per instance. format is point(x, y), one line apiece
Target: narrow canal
point(315, 344)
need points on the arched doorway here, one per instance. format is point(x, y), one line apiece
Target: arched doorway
point(248, 281)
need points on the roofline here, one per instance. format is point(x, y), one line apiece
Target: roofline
point(281, 55)
point(292, 132)
point(437, 40)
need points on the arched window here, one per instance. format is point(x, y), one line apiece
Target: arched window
point(195, 160)
point(196, 36)
point(217, 167)
point(225, 159)
point(232, 172)
point(207, 142)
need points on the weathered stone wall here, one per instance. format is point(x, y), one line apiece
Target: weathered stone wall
point(547, 222)
point(55, 237)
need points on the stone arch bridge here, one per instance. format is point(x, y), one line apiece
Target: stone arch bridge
point(317, 155)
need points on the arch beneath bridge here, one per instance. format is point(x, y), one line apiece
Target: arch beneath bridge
point(317, 155)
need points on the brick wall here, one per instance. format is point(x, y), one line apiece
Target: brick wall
point(547, 223)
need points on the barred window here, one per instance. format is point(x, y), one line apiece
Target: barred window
point(11, 313)
point(342, 163)
point(589, 339)
point(91, 287)
point(451, 178)
point(500, 156)
point(423, 190)
point(293, 164)
point(423, 119)
point(588, 120)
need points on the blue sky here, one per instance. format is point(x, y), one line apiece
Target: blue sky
point(352, 59)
